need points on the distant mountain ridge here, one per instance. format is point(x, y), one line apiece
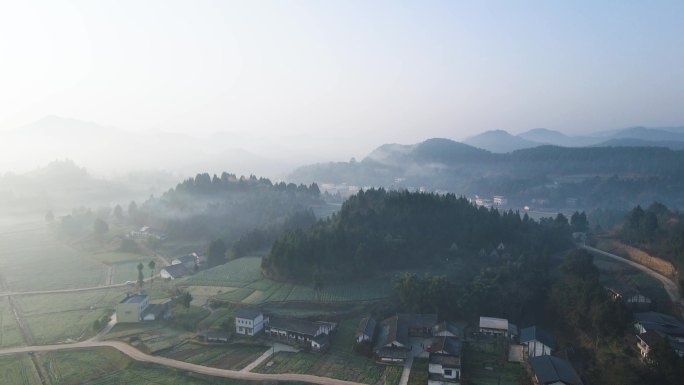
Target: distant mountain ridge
point(500, 141)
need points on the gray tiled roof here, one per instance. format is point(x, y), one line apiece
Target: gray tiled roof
point(247, 313)
point(177, 271)
point(550, 370)
point(366, 327)
point(294, 325)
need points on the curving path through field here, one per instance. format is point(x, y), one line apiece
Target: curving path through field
point(670, 286)
point(206, 370)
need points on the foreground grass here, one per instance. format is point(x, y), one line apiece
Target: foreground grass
point(18, 370)
point(103, 366)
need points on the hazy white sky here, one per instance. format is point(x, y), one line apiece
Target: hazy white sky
point(347, 74)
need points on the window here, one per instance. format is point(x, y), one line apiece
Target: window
point(448, 372)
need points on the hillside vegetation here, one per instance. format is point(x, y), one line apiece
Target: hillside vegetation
point(378, 231)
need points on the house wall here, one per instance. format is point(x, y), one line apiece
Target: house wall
point(127, 312)
point(439, 369)
point(249, 327)
point(435, 382)
point(536, 349)
point(164, 274)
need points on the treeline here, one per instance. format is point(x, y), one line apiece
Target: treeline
point(599, 330)
point(378, 231)
point(656, 229)
point(206, 184)
point(608, 177)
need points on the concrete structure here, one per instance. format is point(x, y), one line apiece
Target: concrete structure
point(131, 308)
point(249, 322)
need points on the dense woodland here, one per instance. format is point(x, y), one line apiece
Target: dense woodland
point(607, 177)
point(377, 231)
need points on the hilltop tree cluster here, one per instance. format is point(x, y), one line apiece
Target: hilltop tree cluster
point(378, 231)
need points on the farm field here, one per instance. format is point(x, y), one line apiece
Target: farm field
point(226, 356)
point(66, 316)
point(242, 282)
point(419, 372)
point(36, 260)
point(339, 362)
point(104, 366)
point(485, 362)
point(10, 335)
point(18, 370)
point(150, 337)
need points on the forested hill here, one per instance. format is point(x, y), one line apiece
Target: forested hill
point(377, 231)
point(227, 206)
point(619, 177)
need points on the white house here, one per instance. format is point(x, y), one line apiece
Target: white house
point(500, 200)
point(538, 342)
point(444, 370)
point(249, 322)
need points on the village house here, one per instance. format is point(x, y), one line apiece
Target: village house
point(444, 370)
point(366, 330)
point(446, 329)
point(131, 308)
point(300, 332)
point(188, 260)
point(175, 271)
point(631, 297)
point(537, 341)
point(146, 232)
point(497, 327)
point(393, 343)
point(500, 200)
point(550, 370)
point(651, 326)
point(249, 322)
point(156, 311)
point(214, 336)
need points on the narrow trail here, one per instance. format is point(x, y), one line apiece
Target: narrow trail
point(137, 355)
point(670, 286)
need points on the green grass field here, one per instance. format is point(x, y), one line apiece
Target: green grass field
point(150, 336)
point(419, 372)
point(36, 260)
point(486, 363)
point(18, 370)
point(229, 356)
point(242, 282)
point(104, 366)
point(339, 362)
point(10, 335)
point(66, 316)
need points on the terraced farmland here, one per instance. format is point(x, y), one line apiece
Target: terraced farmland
point(10, 335)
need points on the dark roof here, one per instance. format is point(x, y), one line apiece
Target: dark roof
point(418, 320)
point(549, 370)
point(534, 333)
point(294, 325)
point(134, 299)
point(653, 321)
point(448, 327)
point(322, 339)
point(247, 313)
point(650, 337)
point(445, 360)
point(447, 345)
point(177, 271)
point(392, 329)
point(392, 353)
point(187, 258)
point(366, 327)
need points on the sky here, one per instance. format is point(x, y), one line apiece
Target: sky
point(342, 77)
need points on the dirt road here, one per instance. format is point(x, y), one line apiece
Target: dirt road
point(215, 372)
point(670, 286)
